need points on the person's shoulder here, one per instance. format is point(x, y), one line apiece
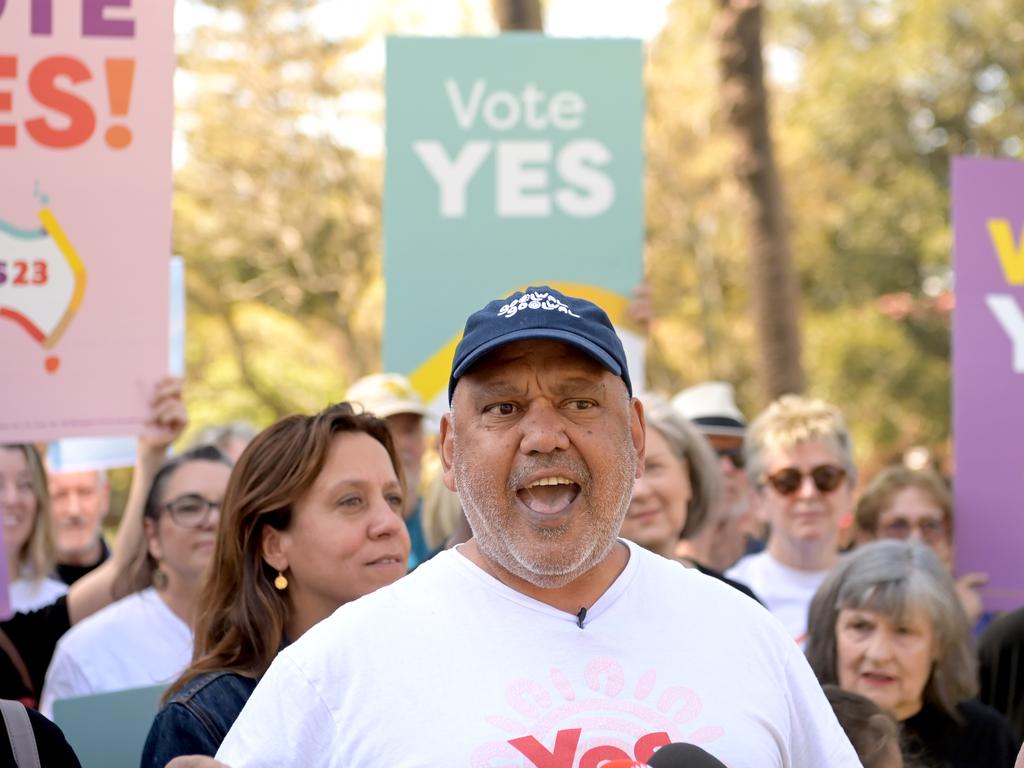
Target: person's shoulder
point(410, 591)
point(986, 729)
point(215, 684)
point(54, 614)
point(53, 747)
point(106, 624)
point(736, 585)
point(977, 714)
point(388, 609)
point(698, 592)
point(1007, 629)
point(32, 594)
point(747, 565)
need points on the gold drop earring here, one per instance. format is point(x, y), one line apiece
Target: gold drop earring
point(281, 582)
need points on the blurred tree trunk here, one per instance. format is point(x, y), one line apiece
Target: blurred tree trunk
point(774, 289)
point(518, 15)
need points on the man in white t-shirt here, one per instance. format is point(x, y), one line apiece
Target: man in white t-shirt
point(800, 460)
point(544, 640)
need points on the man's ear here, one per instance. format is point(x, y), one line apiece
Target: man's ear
point(638, 431)
point(274, 547)
point(447, 451)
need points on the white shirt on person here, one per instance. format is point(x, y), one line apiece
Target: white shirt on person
point(134, 642)
point(785, 591)
point(450, 667)
point(28, 594)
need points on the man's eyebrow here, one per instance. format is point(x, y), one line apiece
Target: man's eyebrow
point(497, 389)
point(579, 385)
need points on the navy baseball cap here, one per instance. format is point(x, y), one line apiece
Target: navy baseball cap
point(540, 312)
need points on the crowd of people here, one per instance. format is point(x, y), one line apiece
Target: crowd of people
point(591, 574)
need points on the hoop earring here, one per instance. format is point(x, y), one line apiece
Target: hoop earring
point(280, 583)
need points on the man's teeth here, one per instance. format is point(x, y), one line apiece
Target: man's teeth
point(551, 481)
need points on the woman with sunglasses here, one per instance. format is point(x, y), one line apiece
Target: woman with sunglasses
point(915, 504)
point(886, 624)
point(799, 459)
point(312, 520)
point(145, 638)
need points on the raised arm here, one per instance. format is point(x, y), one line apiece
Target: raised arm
point(166, 422)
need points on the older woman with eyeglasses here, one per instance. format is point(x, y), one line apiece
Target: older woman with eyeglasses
point(799, 458)
point(886, 624)
point(145, 638)
point(904, 503)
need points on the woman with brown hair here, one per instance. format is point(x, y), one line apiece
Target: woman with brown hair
point(312, 519)
point(145, 638)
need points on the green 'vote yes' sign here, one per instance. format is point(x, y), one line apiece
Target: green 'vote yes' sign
point(511, 161)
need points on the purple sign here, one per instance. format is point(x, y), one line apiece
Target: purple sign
point(988, 374)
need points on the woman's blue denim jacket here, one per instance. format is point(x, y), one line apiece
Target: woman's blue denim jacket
point(197, 718)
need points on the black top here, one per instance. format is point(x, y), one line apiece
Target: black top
point(982, 740)
point(54, 750)
point(722, 577)
point(1001, 653)
point(35, 635)
point(69, 574)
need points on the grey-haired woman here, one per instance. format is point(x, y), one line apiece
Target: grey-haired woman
point(887, 624)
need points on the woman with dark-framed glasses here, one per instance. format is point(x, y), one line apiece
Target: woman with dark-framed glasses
point(145, 638)
point(915, 504)
point(799, 459)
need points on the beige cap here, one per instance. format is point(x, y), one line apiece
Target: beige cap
point(385, 394)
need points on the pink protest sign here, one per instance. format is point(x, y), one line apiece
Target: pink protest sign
point(988, 374)
point(86, 109)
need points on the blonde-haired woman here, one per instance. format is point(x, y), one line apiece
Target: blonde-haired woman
point(799, 458)
point(28, 535)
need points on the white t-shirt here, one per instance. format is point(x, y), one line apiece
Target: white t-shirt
point(450, 667)
point(785, 591)
point(135, 642)
point(31, 594)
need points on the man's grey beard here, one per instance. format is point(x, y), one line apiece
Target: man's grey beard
point(496, 541)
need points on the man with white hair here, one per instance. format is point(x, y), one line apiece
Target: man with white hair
point(79, 502)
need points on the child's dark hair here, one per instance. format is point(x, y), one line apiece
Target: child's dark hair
point(874, 733)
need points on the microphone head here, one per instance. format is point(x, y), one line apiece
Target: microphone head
point(682, 755)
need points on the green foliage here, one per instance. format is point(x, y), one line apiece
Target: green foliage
point(885, 93)
point(271, 210)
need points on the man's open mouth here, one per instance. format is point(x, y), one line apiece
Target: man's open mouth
point(549, 495)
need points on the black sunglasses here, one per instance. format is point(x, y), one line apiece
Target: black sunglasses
point(734, 455)
point(826, 478)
